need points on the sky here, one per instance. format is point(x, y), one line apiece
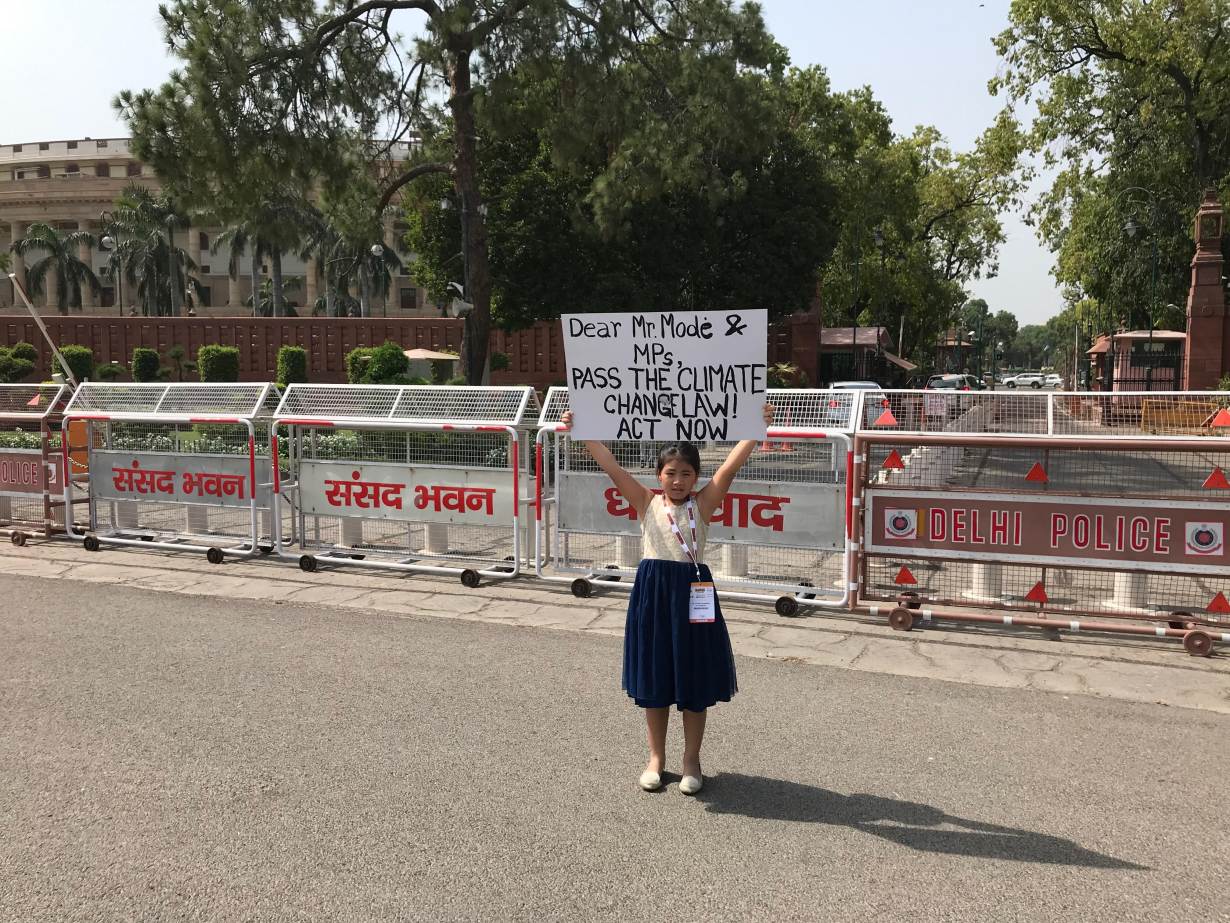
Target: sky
point(927, 61)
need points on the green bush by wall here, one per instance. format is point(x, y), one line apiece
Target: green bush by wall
point(218, 363)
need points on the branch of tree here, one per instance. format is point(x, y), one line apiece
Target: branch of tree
point(422, 169)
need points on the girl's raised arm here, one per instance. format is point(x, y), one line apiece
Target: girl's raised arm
point(713, 493)
point(633, 490)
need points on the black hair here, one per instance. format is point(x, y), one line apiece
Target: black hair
point(684, 451)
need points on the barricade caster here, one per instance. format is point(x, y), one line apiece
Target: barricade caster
point(581, 588)
point(1198, 643)
point(786, 606)
point(901, 619)
point(18, 539)
point(470, 578)
point(215, 556)
point(307, 564)
point(92, 543)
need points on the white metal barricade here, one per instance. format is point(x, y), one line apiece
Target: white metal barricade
point(782, 534)
point(409, 478)
point(31, 469)
point(172, 466)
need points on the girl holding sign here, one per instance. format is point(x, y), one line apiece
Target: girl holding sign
point(676, 648)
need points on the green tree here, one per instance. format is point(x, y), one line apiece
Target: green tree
point(281, 95)
point(56, 259)
point(144, 224)
point(1134, 115)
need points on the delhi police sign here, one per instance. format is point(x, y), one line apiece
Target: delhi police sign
point(669, 375)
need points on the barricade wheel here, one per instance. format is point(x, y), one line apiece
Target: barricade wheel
point(802, 595)
point(307, 564)
point(265, 549)
point(92, 543)
point(1181, 621)
point(214, 556)
point(901, 619)
point(146, 538)
point(1198, 643)
point(19, 539)
point(470, 578)
point(909, 599)
point(786, 606)
point(611, 578)
point(581, 588)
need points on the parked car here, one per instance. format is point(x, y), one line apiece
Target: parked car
point(855, 386)
point(954, 383)
point(839, 416)
point(1026, 380)
point(1053, 381)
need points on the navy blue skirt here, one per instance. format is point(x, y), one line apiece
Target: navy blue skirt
point(667, 659)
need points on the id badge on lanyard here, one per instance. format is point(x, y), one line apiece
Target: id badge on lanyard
point(702, 600)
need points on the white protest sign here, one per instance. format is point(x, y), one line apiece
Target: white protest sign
point(669, 375)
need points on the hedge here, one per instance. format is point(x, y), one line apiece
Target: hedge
point(80, 360)
point(218, 363)
point(23, 350)
point(145, 363)
point(292, 365)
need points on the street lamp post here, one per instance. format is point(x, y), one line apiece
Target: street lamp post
point(110, 244)
point(1130, 227)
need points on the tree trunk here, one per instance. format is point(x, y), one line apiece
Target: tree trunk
point(177, 294)
point(474, 244)
point(275, 265)
point(255, 278)
point(330, 296)
point(365, 302)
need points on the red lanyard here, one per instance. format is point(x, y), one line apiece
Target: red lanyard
point(679, 535)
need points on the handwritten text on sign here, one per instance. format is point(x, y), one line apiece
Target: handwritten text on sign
point(672, 375)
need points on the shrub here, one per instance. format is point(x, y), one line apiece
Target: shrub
point(145, 364)
point(80, 360)
point(292, 365)
point(24, 350)
point(218, 363)
point(356, 364)
point(387, 363)
point(12, 368)
point(499, 362)
point(109, 372)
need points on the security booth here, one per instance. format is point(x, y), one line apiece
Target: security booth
point(31, 469)
point(412, 478)
point(782, 535)
point(174, 466)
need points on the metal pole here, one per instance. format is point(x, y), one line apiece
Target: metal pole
point(68, 373)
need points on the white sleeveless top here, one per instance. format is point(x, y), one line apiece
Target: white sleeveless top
point(657, 539)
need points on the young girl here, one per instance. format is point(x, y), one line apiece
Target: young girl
point(676, 648)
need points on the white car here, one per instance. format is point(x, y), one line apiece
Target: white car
point(1053, 381)
point(1026, 380)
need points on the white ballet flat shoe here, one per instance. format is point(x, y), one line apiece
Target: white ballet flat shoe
point(690, 785)
point(650, 781)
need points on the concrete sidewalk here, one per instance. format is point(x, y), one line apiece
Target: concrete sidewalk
point(1120, 668)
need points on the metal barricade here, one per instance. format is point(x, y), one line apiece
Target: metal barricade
point(782, 534)
point(172, 466)
point(31, 469)
point(1050, 506)
point(411, 478)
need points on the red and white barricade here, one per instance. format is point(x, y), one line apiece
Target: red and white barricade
point(31, 467)
point(1060, 510)
point(172, 466)
point(781, 535)
point(411, 478)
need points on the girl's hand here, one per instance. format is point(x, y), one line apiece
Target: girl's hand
point(565, 422)
point(769, 411)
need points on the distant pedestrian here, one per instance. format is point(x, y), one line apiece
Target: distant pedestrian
point(676, 647)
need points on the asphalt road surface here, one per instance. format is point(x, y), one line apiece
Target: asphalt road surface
point(167, 757)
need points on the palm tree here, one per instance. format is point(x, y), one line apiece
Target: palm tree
point(59, 258)
point(144, 225)
point(241, 239)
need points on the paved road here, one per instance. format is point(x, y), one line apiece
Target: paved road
point(166, 756)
